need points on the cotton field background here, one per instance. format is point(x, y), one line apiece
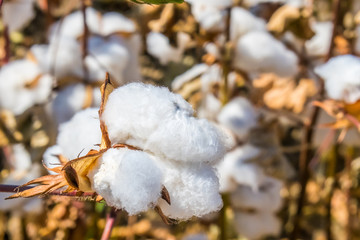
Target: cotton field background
point(172, 119)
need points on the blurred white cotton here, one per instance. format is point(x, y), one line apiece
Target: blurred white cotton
point(341, 76)
point(11, 10)
point(319, 44)
point(254, 54)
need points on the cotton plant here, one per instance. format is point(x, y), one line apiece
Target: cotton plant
point(23, 85)
point(174, 154)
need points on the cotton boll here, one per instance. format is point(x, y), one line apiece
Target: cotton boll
point(260, 52)
point(189, 75)
point(209, 108)
point(143, 108)
point(257, 225)
point(266, 199)
point(161, 122)
point(22, 159)
point(73, 25)
point(113, 22)
point(341, 84)
point(106, 56)
point(50, 159)
point(187, 139)
point(71, 100)
point(212, 76)
point(193, 190)
point(127, 180)
point(242, 22)
point(63, 58)
point(239, 116)
point(22, 85)
point(158, 45)
point(210, 14)
point(319, 44)
point(81, 134)
point(11, 10)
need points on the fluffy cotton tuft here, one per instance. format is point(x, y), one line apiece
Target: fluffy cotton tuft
point(158, 121)
point(193, 190)
point(239, 116)
point(242, 22)
point(254, 54)
point(341, 76)
point(319, 44)
point(79, 142)
point(11, 11)
point(127, 180)
point(23, 85)
point(50, 159)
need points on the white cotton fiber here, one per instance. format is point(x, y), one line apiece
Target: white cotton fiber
point(158, 45)
point(63, 58)
point(266, 199)
point(127, 180)
point(81, 134)
point(71, 100)
point(193, 189)
point(73, 25)
point(239, 116)
point(319, 44)
point(255, 225)
point(242, 22)
point(23, 85)
point(341, 76)
point(113, 22)
point(160, 122)
point(260, 52)
point(211, 15)
point(106, 56)
point(50, 159)
point(21, 157)
point(12, 10)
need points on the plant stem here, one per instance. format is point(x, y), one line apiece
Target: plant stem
point(84, 46)
point(110, 220)
point(15, 188)
point(223, 218)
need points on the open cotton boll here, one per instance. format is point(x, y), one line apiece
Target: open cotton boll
point(113, 22)
point(22, 85)
point(21, 157)
point(158, 46)
point(73, 26)
point(341, 76)
point(50, 159)
point(257, 224)
point(81, 134)
point(209, 108)
point(253, 54)
point(193, 189)
point(11, 10)
point(187, 139)
point(127, 179)
point(71, 100)
point(242, 22)
point(210, 14)
point(161, 122)
point(319, 44)
point(106, 56)
point(239, 116)
point(267, 198)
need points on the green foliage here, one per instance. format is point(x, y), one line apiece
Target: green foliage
point(157, 1)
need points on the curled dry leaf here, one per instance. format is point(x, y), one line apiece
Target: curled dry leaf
point(281, 93)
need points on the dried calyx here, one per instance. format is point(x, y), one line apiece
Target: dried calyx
point(73, 175)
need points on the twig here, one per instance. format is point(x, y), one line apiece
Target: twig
point(7, 45)
point(110, 220)
point(305, 154)
point(15, 188)
point(223, 218)
point(84, 46)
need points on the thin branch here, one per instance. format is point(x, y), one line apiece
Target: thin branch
point(84, 46)
point(110, 220)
